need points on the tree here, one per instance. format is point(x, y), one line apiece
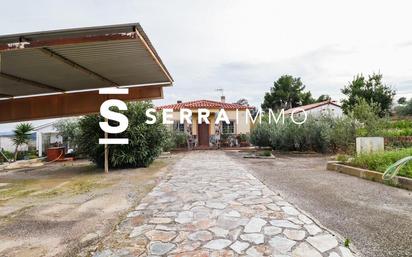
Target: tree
point(287, 92)
point(323, 98)
point(366, 114)
point(69, 130)
point(21, 136)
point(243, 102)
point(405, 109)
point(402, 100)
point(372, 90)
point(145, 140)
point(306, 98)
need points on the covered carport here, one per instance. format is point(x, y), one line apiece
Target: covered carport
point(58, 73)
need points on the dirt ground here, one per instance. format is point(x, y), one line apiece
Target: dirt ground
point(375, 217)
point(56, 210)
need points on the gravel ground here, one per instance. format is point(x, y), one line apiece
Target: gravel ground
point(57, 210)
point(375, 217)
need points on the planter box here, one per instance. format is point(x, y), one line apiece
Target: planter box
point(401, 182)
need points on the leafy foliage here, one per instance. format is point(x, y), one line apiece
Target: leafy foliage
point(70, 131)
point(380, 161)
point(145, 141)
point(402, 100)
point(320, 134)
point(323, 98)
point(372, 90)
point(405, 109)
point(21, 136)
point(287, 92)
point(175, 139)
point(366, 114)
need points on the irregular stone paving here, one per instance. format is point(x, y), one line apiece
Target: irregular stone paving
point(211, 206)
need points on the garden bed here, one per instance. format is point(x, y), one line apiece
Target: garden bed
point(398, 181)
point(380, 161)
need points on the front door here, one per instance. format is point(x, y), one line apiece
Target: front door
point(203, 134)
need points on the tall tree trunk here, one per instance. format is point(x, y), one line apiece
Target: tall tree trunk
point(16, 152)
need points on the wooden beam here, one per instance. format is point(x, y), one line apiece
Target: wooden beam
point(74, 65)
point(30, 82)
point(68, 104)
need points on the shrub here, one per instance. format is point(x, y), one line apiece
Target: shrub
point(243, 137)
point(265, 153)
point(145, 141)
point(320, 134)
point(69, 130)
point(175, 139)
point(380, 161)
point(9, 156)
point(260, 135)
point(406, 109)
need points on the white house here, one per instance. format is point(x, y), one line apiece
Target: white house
point(42, 137)
point(46, 135)
point(317, 109)
point(6, 142)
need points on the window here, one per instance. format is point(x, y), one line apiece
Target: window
point(228, 128)
point(179, 126)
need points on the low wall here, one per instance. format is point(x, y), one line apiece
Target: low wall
point(402, 182)
point(403, 139)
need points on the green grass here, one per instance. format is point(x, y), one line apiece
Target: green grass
point(265, 153)
point(382, 160)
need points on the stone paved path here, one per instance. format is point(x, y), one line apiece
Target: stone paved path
point(211, 206)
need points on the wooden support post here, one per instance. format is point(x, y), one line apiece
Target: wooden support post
point(106, 152)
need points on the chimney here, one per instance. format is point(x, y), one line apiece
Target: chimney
point(223, 99)
point(179, 101)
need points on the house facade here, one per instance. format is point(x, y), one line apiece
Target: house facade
point(210, 135)
point(329, 107)
point(41, 138)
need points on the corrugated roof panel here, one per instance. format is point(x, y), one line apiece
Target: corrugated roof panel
point(11, 87)
point(123, 62)
point(79, 59)
point(32, 64)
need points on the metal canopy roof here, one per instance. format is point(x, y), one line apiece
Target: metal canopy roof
point(78, 60)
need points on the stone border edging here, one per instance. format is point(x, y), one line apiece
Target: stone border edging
point(401, 182)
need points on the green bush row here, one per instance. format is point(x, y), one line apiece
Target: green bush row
point(382, 160)
point(320, 134)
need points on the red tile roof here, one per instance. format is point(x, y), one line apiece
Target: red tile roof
point(311, 106)
point(204, 104)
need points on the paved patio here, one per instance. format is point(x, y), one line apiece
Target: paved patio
point(212, 206)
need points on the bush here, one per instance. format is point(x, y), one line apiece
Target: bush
point(145, 141)
point(382, 160)
point(320, 134)
point(260, 135)
point(175, 139)
point(406, 109)
point(69, 130)
point(9, 156)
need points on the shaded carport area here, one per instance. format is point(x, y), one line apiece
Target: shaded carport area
point(58, 73)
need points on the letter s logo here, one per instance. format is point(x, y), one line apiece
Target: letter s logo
point(111, 115)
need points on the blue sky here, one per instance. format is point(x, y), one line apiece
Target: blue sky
point(243, 46)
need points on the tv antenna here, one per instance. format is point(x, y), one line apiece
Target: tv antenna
point(220, 90)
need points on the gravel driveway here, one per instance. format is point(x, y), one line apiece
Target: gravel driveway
point(377, 218)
